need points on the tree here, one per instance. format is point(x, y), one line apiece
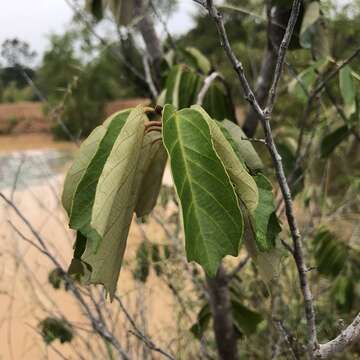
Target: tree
point(225, 185)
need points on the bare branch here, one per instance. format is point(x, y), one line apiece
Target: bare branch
point(139, 334)
point(281, 55)
point(207, 83)
point(347, 337)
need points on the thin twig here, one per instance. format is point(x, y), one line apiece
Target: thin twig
point(139, 334)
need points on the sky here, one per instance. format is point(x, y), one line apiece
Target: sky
point(34, 20)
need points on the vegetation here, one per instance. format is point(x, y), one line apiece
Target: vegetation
point(265, 206)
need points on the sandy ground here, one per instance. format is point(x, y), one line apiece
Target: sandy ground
point(25, 294)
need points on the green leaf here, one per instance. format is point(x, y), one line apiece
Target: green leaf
point(245, 186)
point(267, 262)
point(211, 215)
point(301, 87)
point(332, 140)
point(114, 203)
point(217, 102)
point(266, 222)
point(83, 200)
point(53, 328)
point(87, 151)
point(348, 90)
point(182, 86)
point(152, 177)
point(203, 321)
point(198, 60)
point(245, 320)
point(343, 292)
point(311, 17)
point(330, 253)
point(244, 148)
point(142, 270)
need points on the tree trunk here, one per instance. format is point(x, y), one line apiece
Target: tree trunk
point(152, 42)
point(220, 304)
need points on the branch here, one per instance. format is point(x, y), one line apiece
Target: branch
point(347, 337)
point(281, 55)
point(207, 83)
point(139, 334)
point(265, 117)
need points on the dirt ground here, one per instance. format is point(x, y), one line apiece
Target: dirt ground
point(28, 117)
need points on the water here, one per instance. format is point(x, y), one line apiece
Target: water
point(22, 169)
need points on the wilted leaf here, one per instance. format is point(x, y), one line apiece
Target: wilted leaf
point(87, 151)
point(332, 140)
point(84, 196)
point(152, 176)
point(211, 215)
point(244, 148)
point(114, 203)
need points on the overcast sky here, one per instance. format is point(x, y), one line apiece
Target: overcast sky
point(34, 20)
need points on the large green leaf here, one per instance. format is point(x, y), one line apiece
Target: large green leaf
point(87, 151)
point(332, 140)
point(243, 147)
point(212, 219)
point(245, 186)
point(348, 90)
point(83, 200)
point(114, 203)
